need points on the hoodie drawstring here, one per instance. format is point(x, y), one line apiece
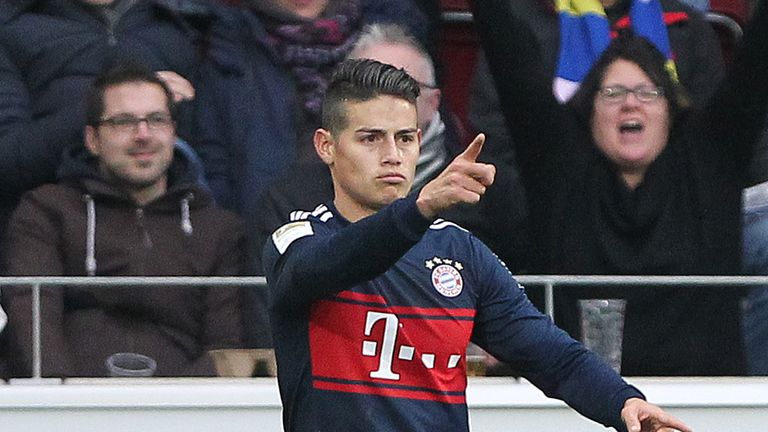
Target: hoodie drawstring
point(90, 236)
point(186, 221)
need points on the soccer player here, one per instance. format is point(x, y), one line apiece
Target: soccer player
point(373, 300)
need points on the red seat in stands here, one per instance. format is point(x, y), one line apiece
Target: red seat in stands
point(738, 10)
point(728, 17)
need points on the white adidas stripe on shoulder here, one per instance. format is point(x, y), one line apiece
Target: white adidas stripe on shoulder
point(321, 212)
point(439, 224)
point(298, 215)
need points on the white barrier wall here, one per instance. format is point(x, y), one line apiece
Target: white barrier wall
point(252, 405)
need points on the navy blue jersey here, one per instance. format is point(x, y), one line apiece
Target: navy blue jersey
point(371, 322)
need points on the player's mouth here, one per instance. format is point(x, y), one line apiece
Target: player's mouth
point(392, 178)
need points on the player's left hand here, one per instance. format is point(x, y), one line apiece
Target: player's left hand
point(641, 416)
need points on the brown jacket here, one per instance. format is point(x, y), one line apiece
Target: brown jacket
point(58, 229)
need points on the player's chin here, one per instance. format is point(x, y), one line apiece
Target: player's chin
point(390, 195)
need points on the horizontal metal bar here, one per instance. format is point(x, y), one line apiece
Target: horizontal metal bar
point(260, 281)
point(135, 280)
point(642, 280)
point(457, 17)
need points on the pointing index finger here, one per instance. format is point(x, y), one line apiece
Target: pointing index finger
point(474, 148)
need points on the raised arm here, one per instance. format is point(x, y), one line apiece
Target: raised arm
point(508, 326)
point(536, 122)
point(304, 261)
point(736, 114)
point(31, 143)
point(322, 263)
point(511, 328)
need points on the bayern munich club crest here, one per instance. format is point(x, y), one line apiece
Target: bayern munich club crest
point(446, 276)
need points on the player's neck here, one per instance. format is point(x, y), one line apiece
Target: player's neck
point(350, 210)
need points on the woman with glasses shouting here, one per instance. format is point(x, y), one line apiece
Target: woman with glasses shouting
point(628, 178)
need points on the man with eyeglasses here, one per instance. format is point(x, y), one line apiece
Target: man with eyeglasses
point(126, 204)
point(50, 52)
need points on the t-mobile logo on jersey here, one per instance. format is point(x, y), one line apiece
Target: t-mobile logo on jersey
point(388, 344)
point(361, 344)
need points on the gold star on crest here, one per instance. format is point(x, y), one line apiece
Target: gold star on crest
point(458, 266)
point(429, 264)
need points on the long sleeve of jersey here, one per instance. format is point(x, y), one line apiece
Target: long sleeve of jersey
point(378, 314)
point(511, 328)
point(305, 254)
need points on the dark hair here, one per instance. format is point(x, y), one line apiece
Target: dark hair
point(122, 73)
point(361, 80)
point(647, 57)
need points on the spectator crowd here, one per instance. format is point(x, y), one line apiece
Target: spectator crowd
point(173, 138)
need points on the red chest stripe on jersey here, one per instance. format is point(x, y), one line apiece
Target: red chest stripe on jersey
point(365, 298)
point(437, 312)
point(360, 348)
point(372, 300)
point(390, 392)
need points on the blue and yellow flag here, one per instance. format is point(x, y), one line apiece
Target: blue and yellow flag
point(646, 18)
point(585, 33)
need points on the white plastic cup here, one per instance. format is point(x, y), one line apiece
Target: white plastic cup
point(602, 328)
point(128, 364)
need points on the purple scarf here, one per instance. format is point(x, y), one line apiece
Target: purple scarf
point(310, 49)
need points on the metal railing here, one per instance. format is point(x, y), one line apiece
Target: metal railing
point(36, 283)
point(548, 281)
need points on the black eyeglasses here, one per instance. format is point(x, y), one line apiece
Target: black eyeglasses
point(129, 123)
point(618, 93)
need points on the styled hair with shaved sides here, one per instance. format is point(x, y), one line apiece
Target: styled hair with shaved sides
point(360, 80)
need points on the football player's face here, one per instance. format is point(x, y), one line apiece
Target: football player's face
point(373, 159)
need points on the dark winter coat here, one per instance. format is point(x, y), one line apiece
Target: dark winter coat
point(250, 128)
point(178, 234)
point(694, 45)
point(51, 50)
point(683, 219)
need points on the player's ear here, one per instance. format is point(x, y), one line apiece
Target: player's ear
point(325, 146)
